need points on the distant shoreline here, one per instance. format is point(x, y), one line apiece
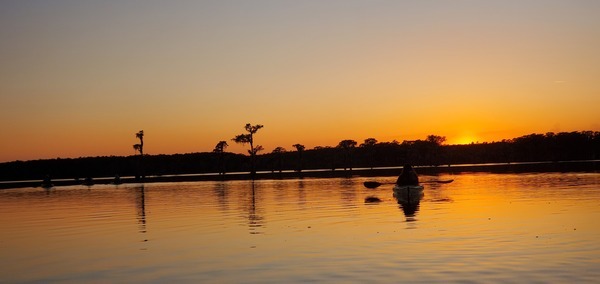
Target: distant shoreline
point(521, 167)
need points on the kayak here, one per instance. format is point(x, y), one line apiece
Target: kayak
point(408, 193)
point(408, 188)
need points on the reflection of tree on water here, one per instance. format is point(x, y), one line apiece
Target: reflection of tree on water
point(409, 203)
point(280, 192)
point(140, 202)
point(348, 190)
point(301, 193)
point(221, 193)
point(255, 222)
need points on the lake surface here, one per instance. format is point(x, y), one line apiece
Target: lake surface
point(480, 228)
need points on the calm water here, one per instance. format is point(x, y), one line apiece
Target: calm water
point(480, 228)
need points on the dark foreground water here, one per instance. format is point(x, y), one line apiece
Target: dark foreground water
point(480, 228)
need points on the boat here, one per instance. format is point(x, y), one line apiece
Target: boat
point(408, 193)
point(408, 188)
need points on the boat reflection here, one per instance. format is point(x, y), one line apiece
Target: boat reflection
point(409, 200)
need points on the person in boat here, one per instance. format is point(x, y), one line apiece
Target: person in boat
point(408, 176)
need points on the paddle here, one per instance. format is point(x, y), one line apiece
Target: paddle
point(374, 184)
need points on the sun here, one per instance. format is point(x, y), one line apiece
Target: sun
point(464, 139)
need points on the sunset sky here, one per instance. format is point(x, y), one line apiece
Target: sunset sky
point(80, 78)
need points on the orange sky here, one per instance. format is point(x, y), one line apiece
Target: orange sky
point(81, 78)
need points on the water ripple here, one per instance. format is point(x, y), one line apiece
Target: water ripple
point(480, 228)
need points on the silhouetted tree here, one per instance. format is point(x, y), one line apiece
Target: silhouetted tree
point(140, 148)
point(220, 150)
point(278, 153)
point(248, 138)
point(347, 146)
point(369, 144)
point(530, 147)
point(564, 146)
point(435, 139)
point(433, 149)
point(220, 147)
point(300, 149)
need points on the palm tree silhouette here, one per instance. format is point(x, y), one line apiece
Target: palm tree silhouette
point(249, 139)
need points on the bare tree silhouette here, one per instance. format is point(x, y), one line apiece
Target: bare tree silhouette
point(300, 148)
point(248, 138)
point(220, 149)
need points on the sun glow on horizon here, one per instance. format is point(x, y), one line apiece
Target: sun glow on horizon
point(463, 139)
point(81, 80)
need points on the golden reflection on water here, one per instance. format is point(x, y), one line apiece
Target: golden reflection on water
point(482, 227)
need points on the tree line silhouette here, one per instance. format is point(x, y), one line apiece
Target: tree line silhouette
point(346, 155)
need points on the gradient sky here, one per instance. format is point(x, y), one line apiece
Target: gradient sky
point(80, 78)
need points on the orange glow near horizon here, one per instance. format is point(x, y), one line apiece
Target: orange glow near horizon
point(193, 74)
point(463, 140)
